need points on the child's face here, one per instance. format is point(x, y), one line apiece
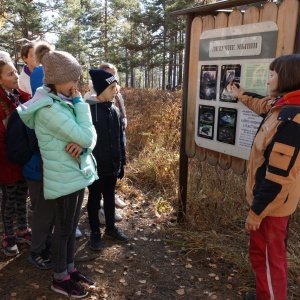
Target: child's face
point(273, 83)
point(111, 71)
point(109, 93)
point(29, 60)
point(9, 77)
point(66, 87)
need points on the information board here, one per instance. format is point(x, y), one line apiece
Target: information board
point(241, 54)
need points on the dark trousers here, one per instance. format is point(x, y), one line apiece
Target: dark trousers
point(43, 217)
point(105, 185)
point(14, 201)
point(67, 214)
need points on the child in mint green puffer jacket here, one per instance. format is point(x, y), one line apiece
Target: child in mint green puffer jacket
point(66, 138)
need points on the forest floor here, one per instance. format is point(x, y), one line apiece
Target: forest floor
point(150, 266)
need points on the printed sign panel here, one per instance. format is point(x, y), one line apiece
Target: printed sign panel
point(239, 54)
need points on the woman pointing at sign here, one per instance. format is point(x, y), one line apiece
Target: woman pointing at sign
point(273, 181)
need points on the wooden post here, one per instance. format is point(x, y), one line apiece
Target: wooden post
point(183, 159)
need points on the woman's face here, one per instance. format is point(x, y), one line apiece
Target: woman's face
point(66, 87)
point(273, 83)
point(9, 77)
point(29, 60)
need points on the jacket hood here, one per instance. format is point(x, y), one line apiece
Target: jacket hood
point(40, 99)
point(92, 100)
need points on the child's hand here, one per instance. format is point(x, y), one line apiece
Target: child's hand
point(235, 89)
point(251, 223)
point(75, 92)
point(73, 149)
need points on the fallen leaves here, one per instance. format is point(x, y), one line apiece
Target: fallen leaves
point(99, 271)
point(180, 291)
point(123, 281)
point(214, 276)
point(35, 285)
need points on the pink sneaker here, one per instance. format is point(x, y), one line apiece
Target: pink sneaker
point(24, 236)
point(9, 245)
point(69, 288)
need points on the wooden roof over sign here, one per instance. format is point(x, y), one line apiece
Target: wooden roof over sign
point(210, 8)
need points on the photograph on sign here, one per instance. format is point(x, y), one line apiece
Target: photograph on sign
point(208, 82)
point(229, 74)
point(206, 120)
point(227, 125)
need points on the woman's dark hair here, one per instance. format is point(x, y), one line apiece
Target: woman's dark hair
point(288, 69)
point(25, 49)
point(3, 62)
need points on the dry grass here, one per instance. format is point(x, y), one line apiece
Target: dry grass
point(216, 208)
point(153, 143)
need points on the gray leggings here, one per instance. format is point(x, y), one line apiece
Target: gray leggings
point(43, 218)
point(14, 201)
point(67, 214)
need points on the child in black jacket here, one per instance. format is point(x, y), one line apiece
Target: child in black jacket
point(110, 156)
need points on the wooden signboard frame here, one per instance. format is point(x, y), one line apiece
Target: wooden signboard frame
point(207, 17)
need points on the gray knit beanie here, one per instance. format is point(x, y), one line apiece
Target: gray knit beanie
point(58, 66)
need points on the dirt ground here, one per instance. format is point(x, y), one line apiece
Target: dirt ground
point(149, 267)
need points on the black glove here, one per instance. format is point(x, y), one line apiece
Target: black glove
point(121, 173)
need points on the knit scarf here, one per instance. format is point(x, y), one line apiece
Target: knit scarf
point(292, 98)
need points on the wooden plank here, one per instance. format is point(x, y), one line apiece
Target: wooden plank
point(224, 160)
point(221, 20)
point(287, 24)
point(196, 31)
point(208, 22)
point(235, 18)
point(238, 165)
point(269, 12)
point(211, 156)
point(251, 15)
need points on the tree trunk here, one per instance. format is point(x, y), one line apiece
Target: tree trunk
point(180, 61)
point(105, 30)
point(175, 53)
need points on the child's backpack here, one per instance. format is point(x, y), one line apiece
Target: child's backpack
point(16, 140)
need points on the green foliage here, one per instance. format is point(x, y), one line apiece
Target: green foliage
point(141, 37)
point(129, 33)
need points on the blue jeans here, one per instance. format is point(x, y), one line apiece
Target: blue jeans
point(67, 214)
